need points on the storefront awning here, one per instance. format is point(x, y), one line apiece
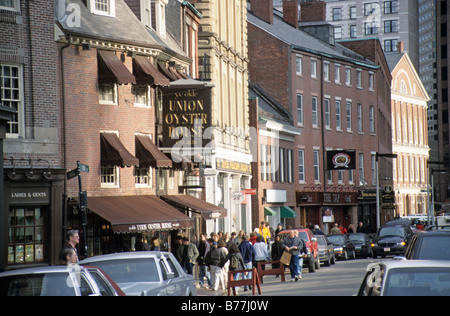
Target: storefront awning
point(128, 214)
point(114, 153)
point(163, 69)
point(112, 70)
point(207, 210)
point(146, 73)
point(149, 155)
point(287, 212)
point(269, 212)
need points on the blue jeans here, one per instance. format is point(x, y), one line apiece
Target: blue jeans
point(294, 266)
point(203, 272)
point(247, 266)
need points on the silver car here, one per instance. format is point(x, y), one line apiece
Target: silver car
point(407, 278)
point(146, 273)
point(73, 280)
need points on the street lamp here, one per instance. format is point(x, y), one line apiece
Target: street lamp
point(430, 211)
point(391, 156)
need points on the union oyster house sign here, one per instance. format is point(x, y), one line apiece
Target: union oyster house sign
point(186, 115)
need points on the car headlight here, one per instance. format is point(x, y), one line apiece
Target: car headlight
point(339, 249)
point(401, 244)
point(373, 245)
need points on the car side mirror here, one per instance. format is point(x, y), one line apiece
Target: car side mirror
point(170, 275)
point(313, 239)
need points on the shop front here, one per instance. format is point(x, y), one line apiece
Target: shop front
point(326, 208)
point(32, 217)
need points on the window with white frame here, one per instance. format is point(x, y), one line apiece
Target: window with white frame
point(263, 159)
point(348, 106)
point(372, 119)
point(350, 177)
point(313, 68)
point(359, 78)
point(360, 117)
point(298, 64)
point(362, 180)
point(11, 5)
point(327, 113)
point(110, 177)
point(301, 166)
point(337, 73)
point(143, 177)
point(300, 109)
point(340, 177)
point(107, 93)
point(103, 7)
point(314, 112)
point(371, 81)
point(142, 96)
point(326, 71)
point(316, 162)
point(348, 76)
point(338, 115)
point(158, 8)
point(11, 93)
point(374, 168)
point(329, 176)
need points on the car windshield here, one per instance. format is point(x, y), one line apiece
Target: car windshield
point(356, 238)
point(130, 270)
point(38, 284)
point(392, 231)
point(336, 239)
point(303, 236)
point(321, 241)
point(418, 282)
point(435, 248)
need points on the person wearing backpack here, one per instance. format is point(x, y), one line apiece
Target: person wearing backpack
point(236, 260)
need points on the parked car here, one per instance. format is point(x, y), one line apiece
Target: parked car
point(434, 245)
point(326, 250)
point(391, 240)
point(312, 261)
point(343, 247)
point(58, 281)
point(362, 243)
point(146, 273)
point(407, 278)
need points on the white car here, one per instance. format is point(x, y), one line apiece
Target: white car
point(407, 278)
point(145, 273)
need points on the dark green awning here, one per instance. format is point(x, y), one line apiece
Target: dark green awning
point(287, 212)
point(269, 212)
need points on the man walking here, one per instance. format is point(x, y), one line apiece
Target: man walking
point(203, 248)
point(293, 244)
point(248, 254)
point(188, 253)
point(72, 240)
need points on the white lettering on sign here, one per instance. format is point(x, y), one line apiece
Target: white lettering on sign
point(29, 195)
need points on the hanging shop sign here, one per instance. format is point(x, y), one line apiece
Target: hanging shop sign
point(341, 159)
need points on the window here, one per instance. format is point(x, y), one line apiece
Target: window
point(300, 109)
point(352, 13)
point(13, 5)
point(263, 162)
point(103, 7)
point(391, 26)
point(316, 160)
point(289, 166)
point(301, 166)
point(337, 14)
point(371, 81)
point(313, 68)
point(370, 8)
point(338, 32)
point(348, 106)
point(372, 119)
point(142, 96)
point(390, 45)
point(360, 118)
point(143, 177)
point(348, 76)
point(390, 7)
point(353, 31)
point(161, 179)
point(107, 93)
point(362, 180)
point(326, 71)
point(370, 28)
point(338, 115)
point(298, 64)
point(12, 96)
point(327, 114)
point(374, 169)
point(337, 73)
point(110, 177)
point(158, 10)
point(26, 235)
point(359, 78)
point(314, 114)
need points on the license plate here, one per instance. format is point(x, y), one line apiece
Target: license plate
point(387, 249)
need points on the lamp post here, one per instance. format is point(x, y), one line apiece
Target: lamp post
point(377, 155)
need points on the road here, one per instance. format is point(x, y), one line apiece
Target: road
point(341, 279)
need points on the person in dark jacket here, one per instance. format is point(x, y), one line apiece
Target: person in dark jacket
point(248, 255)
point(203, 248)
point(294, 245)
point(277, 251)
point(216, 259)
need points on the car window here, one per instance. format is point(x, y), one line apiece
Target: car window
point(321, 241)
point(85, 286)
point(103, 285)
point(356, 238)
point(418, 282)
point(435, 248)
point(173, 267)
point(392, 231)
point(130, 270)
point(371, 285)
point(336, 238)
point(42, 284)
point(303, 235)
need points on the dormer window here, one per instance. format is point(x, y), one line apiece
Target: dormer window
point(103, 7)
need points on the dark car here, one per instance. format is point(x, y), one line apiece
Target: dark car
point(391, 240)
point(326, 250)
point(362, 244)
point(343, 247)
point(433, 245)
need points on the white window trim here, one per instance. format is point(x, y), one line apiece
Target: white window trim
point(117, 171)
point(150, 169)
point(15, 7)
point(112, 8)
point(21, 108)
point(149, 98)
point(116, 96)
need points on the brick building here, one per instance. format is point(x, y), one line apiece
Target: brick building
point(339, 98)
point(30, 215)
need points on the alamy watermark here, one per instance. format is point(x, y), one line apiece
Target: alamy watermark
point(68, 13)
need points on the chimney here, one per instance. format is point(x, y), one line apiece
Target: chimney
point(262, 9)
point(401, 47)
point(313, 11)
point(290, 12)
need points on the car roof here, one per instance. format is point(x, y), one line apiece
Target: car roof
point(126, 255)
point(36, 270)
point(393, 264)
point(435, 233)
point(303, 229)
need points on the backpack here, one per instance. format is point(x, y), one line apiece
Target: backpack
point(234, 262)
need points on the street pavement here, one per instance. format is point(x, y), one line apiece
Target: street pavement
point(341, 279)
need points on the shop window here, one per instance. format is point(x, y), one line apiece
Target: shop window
point(26, 235)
